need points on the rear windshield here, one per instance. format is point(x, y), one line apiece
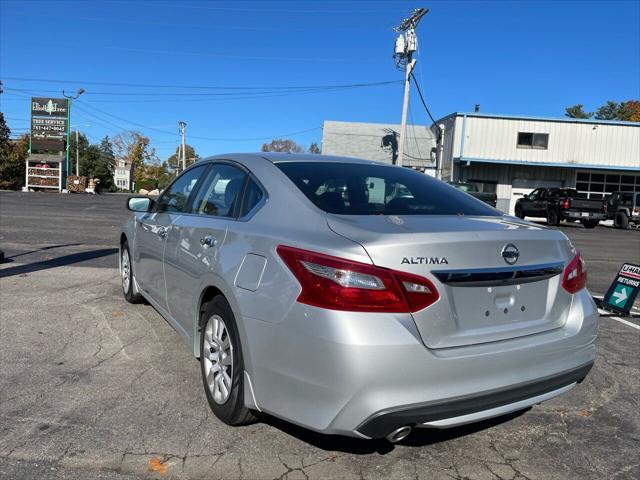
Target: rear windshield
point(365, 189)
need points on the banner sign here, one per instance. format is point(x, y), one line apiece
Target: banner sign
point(49, 124)
point(624, 289)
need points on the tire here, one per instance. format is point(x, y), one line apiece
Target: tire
point(590, 223)
point(621, 220)
point(219, 341)
point(552, 218)
point(519, 212)
point(126, 276)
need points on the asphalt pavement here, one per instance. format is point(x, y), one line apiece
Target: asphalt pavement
point(93, 387)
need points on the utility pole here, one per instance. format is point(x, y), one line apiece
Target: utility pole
point(70, 98)
point(77, 156)
point(406, 44)
point(182, 127)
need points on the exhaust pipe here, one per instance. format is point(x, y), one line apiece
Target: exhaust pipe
point(399, 434)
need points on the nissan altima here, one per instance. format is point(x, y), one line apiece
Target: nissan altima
point(357, 298)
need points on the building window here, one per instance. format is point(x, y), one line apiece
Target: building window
point(539, 141)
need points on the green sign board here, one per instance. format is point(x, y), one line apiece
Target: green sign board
point(624, 289)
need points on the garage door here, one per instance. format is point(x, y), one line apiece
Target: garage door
point(599, 185)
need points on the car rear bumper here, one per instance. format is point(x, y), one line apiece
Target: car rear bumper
point(364, 374)
point(588, 216)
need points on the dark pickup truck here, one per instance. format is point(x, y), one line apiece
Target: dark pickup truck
point(473, 190)
point(623, 208)
point(557, 204)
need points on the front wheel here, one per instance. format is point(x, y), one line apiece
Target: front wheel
point(222, 363)
point(519, 212)
point(621, 220)
point(126, 276)
point(552, 218)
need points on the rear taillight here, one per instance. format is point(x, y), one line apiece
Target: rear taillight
point(574, 277)
point(339, 284)
point(566, 204)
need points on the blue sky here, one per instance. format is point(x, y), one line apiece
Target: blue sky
point(531, 58)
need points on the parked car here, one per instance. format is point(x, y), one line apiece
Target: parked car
point(557, 204)
point(490, 198)
point(623, 208)
point(357, 298)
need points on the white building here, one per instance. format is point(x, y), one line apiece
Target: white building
point(512, 155)
point(518, 154)
point(123, 175)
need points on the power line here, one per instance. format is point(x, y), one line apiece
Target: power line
point(424, 104)
point(197, 87)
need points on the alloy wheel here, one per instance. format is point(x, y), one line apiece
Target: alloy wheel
point(217, 355)
point(126, 270)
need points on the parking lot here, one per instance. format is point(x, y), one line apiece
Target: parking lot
point(93, 387)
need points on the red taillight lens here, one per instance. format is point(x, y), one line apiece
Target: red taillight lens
point(339, 284)
point(574, 277)
point(566, 204)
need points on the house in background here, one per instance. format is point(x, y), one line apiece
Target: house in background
point(123, 175)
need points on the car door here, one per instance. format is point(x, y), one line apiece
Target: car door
point(153, 229)
point(540, 204)
point(527, 202)
point(198, 243)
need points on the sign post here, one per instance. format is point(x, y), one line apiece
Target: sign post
point(623, 291)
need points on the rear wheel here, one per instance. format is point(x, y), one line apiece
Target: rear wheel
point(519, 212)
point(222, 363)
point(126, 276)
point(590, 223)
point(621, 220)
point(552, 218)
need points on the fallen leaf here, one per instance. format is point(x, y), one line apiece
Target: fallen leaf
point(117, 314)
point(156, 465)
point(583, 413)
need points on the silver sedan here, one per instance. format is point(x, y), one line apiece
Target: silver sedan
point(357, 298)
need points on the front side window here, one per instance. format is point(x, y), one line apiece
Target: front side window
point(538, 141)
point(175, 198)
point(366, 189)
point(220, 192)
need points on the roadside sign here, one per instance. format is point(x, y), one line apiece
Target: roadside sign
point(624, 289)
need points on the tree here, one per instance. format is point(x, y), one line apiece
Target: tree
point(314, 148)
point(191, 156)
point(5, 145)
point(106, 147)
point(609, 111)
point(13, 164)
point(288, 146)
point(628, 111)
point(136, 149)
point(577, 111)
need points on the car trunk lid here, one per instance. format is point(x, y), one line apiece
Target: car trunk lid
point(486, 295)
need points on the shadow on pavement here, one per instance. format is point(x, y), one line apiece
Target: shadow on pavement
point(57, 262)
point(419, 437)
point(48, 247)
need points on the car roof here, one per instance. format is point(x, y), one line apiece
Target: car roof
point(275, 157)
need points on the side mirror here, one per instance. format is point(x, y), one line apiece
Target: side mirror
point(526, 197)
point(139, 204)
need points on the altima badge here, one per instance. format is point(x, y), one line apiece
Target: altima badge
point(510, 253)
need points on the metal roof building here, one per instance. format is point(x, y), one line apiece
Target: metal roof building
point(520, 153)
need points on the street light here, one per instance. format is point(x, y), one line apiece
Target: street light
point(77, 149)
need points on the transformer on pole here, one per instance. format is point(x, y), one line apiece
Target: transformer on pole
point(406, 44)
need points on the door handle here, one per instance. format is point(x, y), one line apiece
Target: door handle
point(162, 232)
point(209, 241)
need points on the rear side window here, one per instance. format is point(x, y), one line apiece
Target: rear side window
point(220, 192)
point(252, 196)
point(366, 189)
point(176, 197)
